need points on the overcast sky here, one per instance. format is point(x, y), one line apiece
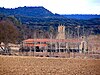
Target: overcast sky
point(58, 6)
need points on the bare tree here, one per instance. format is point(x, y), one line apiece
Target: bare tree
point(8, 33)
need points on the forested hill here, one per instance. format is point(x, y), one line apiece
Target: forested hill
point(27, 11)
point(41, 16)
point(43, 12)
point(81, 16)
point(26, 18)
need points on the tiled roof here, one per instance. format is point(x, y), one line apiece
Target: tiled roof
point(52, 40)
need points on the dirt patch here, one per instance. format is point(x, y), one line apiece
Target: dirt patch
point(25, 65)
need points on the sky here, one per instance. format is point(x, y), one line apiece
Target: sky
point(58, 6)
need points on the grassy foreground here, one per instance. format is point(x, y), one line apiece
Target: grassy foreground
point(19, 65)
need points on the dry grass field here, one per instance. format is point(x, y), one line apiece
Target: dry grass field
point(27, 65)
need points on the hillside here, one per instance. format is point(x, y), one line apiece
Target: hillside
point(27, 11)
point(39, 16)
point(81, 16)
point(43, 12)
point(42, 15)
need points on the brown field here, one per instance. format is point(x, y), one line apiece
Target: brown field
point(28, 65)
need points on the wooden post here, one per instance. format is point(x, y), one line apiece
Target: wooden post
point(55, 47)
point(34, 43)
point(30, 51)
point(69, 49)
point(59, 47)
